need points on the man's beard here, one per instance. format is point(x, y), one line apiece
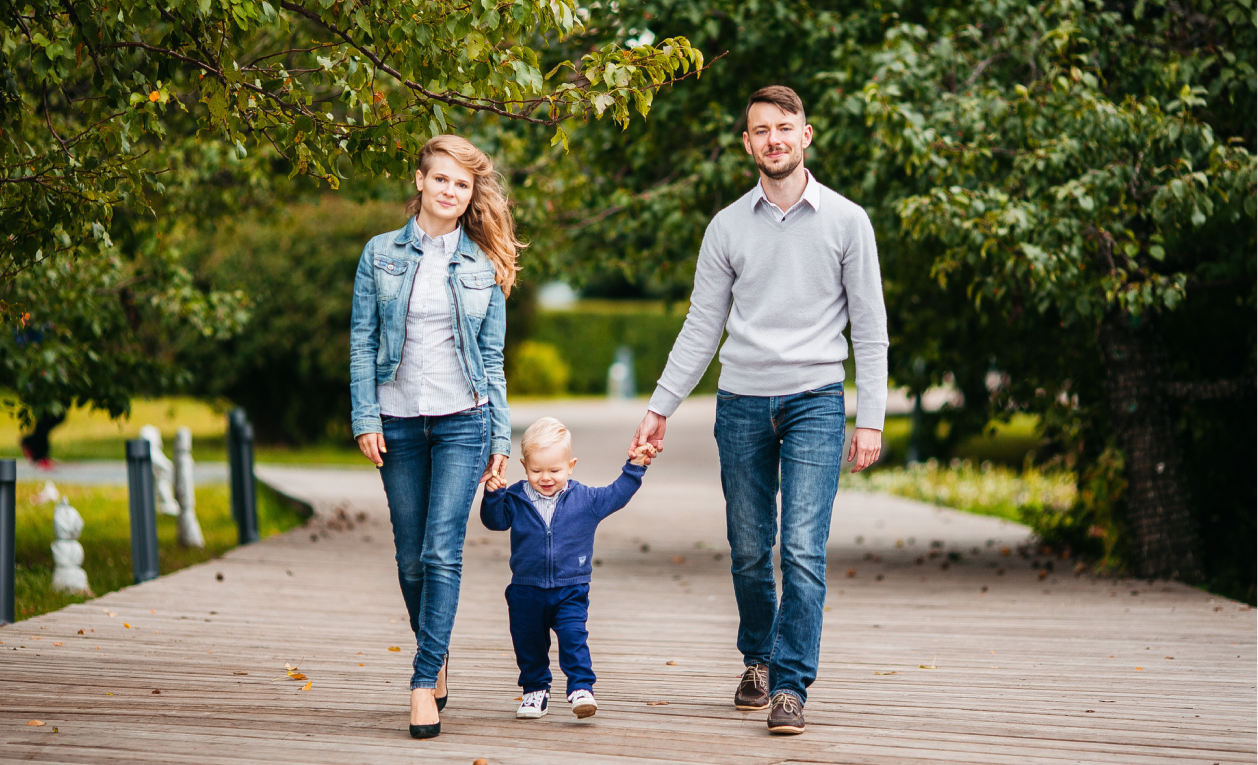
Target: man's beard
point(780, 172)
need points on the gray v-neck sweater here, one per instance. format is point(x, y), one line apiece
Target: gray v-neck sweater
point(784, 290)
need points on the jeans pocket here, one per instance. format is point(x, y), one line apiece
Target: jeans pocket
point(835, 389)
point(386, 419)
point(724, 395)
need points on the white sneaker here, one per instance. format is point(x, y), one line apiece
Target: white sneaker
point(533, 705)
point(583, 703)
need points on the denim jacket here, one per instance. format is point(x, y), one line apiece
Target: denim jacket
point(382, 289)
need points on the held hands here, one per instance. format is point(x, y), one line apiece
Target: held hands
point(650, 432)
point(643, 454)
point(495, 475)
point(865, 447)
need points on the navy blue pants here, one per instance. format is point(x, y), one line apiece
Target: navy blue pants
point(534, 612)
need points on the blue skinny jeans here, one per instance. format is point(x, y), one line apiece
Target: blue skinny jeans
point(430, 473)
point(793, 443)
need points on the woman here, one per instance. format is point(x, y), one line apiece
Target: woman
point(428, 392)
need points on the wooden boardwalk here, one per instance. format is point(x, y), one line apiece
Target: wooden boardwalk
point(920, 664)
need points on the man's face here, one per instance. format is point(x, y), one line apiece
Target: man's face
point(776, 139)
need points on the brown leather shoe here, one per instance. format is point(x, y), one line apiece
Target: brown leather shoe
point(786, 714)
point(753, 689)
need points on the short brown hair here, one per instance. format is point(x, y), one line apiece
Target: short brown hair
point(780, 96)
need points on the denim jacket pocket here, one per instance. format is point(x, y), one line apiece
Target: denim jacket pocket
point(476, 292)
point(390, 274)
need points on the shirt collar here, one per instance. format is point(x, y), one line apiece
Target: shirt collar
point(536, 496)
point(812, 194)
point(448, 241)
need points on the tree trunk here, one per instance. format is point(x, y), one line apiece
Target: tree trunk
point(1163, 532)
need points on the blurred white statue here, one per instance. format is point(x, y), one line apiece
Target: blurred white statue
point(185, 491)
point(47, 494)
point(67, 553)
point(163, 471)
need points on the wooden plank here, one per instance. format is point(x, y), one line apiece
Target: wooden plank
point(1069, 669)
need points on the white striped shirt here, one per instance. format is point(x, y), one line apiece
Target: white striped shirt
point(430, 380)
point(545, 505)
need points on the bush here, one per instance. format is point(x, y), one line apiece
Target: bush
point(587, 341)
point(537, 369)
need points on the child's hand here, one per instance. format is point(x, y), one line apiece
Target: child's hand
point(644, 454)
point(495, 482)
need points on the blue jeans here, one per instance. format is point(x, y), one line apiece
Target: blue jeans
point(797, 441)
point(534, 612)
point(430, 473)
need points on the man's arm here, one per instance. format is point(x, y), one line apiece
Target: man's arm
point(862, 283)
point(698, 340)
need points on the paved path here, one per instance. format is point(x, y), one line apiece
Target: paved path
point(1061, 670)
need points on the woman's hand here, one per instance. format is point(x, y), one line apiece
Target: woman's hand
point(495, 472)
point(372, 446)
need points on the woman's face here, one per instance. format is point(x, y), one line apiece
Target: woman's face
point(446, 188)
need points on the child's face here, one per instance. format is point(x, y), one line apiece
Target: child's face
point(548, 469)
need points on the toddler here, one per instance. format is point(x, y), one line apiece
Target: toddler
point(552, 521)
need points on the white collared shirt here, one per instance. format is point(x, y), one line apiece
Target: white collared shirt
point(429, 380)
point(811, 195)
point(545, 505)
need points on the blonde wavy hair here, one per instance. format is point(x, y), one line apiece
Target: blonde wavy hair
point(487, 220)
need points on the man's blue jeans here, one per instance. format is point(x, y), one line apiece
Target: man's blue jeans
point(430, 473)
point(795, 441)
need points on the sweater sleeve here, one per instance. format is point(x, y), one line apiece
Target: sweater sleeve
point(862, 282)
point(495, 510)
point(701, 334)
point(608, 499)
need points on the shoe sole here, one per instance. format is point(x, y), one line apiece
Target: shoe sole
point(786, 730)
point(583, 711)
point(745, 708)
point(530, 715)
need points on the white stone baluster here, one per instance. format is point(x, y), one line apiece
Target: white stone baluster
point(163, 472)
point(185, 491)
point(67, 553)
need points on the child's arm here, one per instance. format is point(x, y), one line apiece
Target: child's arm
point(495, 510)
point(609, 499)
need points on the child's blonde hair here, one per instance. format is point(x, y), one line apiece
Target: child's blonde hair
point(545, 433)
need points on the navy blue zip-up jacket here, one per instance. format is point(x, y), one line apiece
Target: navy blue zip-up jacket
point(562, 554)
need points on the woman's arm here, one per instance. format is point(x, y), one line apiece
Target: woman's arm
point(364, 342)
point(493, 331)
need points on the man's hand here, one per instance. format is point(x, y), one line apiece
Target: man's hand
point(372, 446)
point(495, 472)
point(651, 431)
point(865, 447)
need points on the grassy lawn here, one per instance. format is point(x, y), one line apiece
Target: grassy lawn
point(106, 539)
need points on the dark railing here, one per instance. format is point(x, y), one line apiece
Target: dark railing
point(244, 493)
point(8, 538)
point(143, 511)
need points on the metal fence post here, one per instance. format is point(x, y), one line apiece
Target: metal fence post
point(143, 511)
point(8, 538)
point(244, 492)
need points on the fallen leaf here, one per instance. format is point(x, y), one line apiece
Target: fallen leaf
point(1168, 657)
point(112, 614)
point(395, 649)
point(110, 693)
point(932, 663)
point(360, 664)
point(892, 672)
point(156, 691)
point(80, 632)
point(679, 559)
point(670, 663)
point(1089, 711)
point(657, 703)
point(240, 673)
point(60, 644)
point(125, 624)
point(54, 730)
point(296, 676)
point(152, 610)
point(36, 722)
point(519, 698)
point(1139, 669)
point(308, 685)
point(481, 761)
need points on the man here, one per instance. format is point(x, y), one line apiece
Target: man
point(783, 270)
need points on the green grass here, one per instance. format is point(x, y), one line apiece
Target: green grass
point(985, 489)
point(1003, 443)
point(106, 539)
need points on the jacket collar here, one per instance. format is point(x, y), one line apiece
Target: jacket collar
point(407, 236)
point(517, 489)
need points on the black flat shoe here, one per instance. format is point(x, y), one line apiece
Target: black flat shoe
point(441, 702)
point(426, 731)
